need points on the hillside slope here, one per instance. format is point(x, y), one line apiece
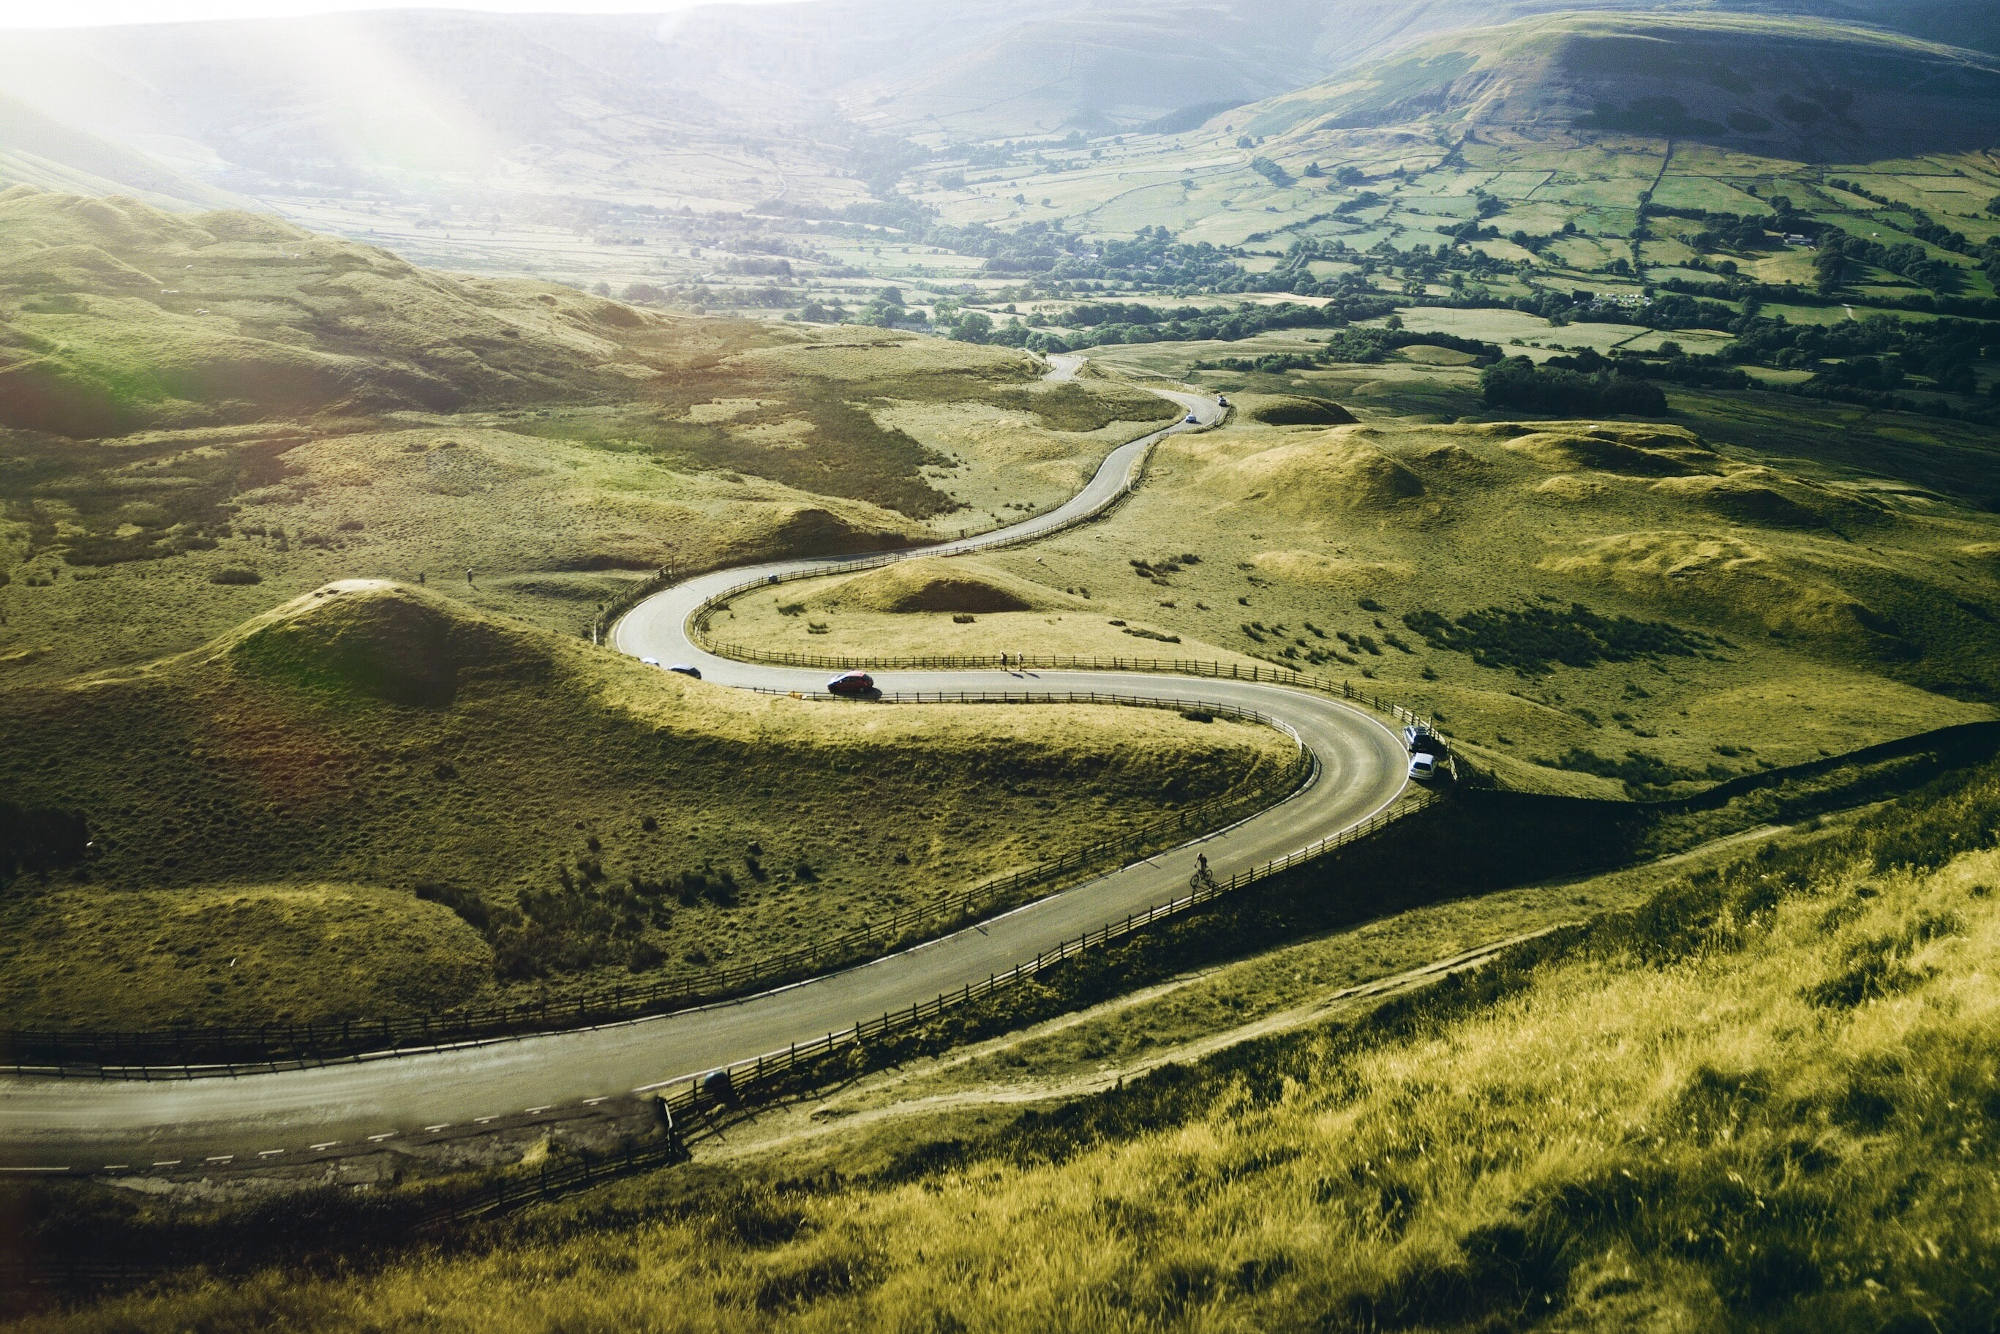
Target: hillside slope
point(1766, 1097)
point(115, 315)
point(1793, 89)
point(331, 771)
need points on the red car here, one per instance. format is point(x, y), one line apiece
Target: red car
point(852, 683)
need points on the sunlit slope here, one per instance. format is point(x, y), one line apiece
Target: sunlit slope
point(205, 403)
point(1764, 1098)
point(314, 773)
point(39, 150)
point(1628, 608)
point(1795, 89)
point(120, 316)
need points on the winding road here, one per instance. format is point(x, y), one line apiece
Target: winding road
point(88, 1125)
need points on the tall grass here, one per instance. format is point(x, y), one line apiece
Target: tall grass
point(1769, 1097)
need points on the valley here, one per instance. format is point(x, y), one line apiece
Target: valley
point(1165, 406)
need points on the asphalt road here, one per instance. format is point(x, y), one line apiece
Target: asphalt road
point(88, 1124)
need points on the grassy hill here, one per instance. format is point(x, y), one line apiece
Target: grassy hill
point(287, 819)
point(1791, 88)
point(1623, 607)
point(1762, 1095)
point(120, 316)
point(201, 405)
point(38, 150)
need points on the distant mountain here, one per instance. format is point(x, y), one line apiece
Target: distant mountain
point(1798, 89)
point(39, 150)
point(115, 315)
point(729, 106)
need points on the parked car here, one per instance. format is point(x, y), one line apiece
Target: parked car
point(1221, 401)
point(684, 669)
point(852, 683)
point(1418, 738)
point(1423, 768)
point(650, 662)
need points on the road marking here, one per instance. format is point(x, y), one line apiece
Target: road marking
point(377, 1139)
point(34, 1169)
point(592, 1102)
point(432, 1130)
point(118, 1167)
point(221, 1158)
point(170, 1162)
point(269, 1153)
point(537, 1111)
point(323, 1147)
point(482, 1120)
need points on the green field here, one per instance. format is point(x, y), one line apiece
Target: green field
point(300, 542)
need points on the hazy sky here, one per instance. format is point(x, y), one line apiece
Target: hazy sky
point(79, 13)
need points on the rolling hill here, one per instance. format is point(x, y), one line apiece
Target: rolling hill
point(118, 315)
point(279, 814)
point(1793, 89)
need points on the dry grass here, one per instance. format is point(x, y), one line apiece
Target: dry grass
point(1840, 609)
point(603, 818)
point(1766, 1096)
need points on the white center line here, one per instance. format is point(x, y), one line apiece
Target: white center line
point(432, 1130)
point(170, 1162)
point(377, 1139)
point(322, 1148)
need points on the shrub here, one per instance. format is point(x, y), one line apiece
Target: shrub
point(235, 574)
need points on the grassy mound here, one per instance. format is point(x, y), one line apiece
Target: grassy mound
point(1728, 578)
point(935, 585)
point(1574, 489)
point(1293, 410)
point(586, 816)
point(1762, 497)
point(1338, 470)
point(371, 638)
point(1430, 354)
point(1566, 452)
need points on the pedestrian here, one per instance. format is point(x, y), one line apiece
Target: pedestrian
point(420, 578)
point(468, 578)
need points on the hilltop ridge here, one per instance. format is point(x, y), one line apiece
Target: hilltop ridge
point(1798, 89)
point(116, 315)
